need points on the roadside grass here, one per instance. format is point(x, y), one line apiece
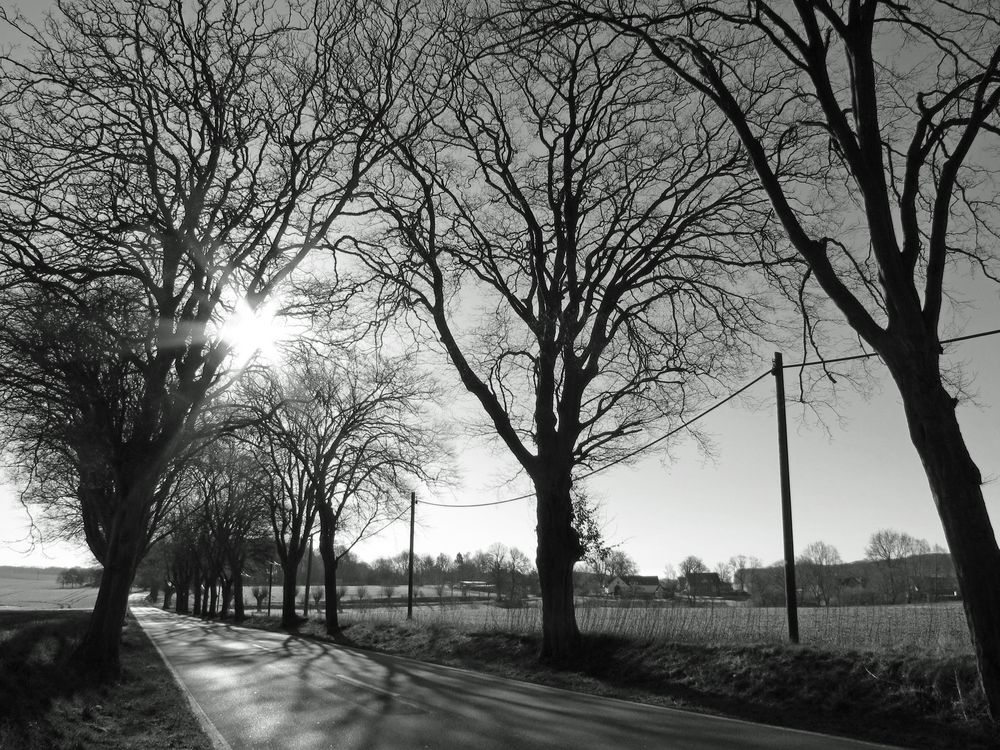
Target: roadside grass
point(910, 699)
point(47, 704)
point(939, 629)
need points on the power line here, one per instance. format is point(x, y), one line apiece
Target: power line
point(677, 429)
point(402, 513)
point(979, 335)
point(688, 423)
point(867, 355)
point(627, 456)
point(480, 505)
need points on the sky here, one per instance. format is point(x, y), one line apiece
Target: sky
point(853, 475)
point(857, 474)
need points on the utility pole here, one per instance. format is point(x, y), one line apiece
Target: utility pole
point(786, 501)
point(270, 583)
point(409, 592)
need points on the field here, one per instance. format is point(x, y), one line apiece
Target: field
point(32, 588)
point(933, 629)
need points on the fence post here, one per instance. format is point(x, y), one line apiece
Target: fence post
point(786, 501)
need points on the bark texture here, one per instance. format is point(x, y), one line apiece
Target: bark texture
point(558, 551)
point(328, 554)
point(956, 486)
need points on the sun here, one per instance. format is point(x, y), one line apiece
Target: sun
point(255, 335)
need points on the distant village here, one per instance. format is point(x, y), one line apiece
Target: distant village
point(918, 578)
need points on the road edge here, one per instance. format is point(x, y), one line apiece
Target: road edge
point(213, 734)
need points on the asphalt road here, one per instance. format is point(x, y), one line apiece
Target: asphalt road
point(272, 690)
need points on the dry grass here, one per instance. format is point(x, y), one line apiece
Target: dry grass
point(47, 705)
point(935, 630)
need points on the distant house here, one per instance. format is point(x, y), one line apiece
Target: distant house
point(477, 588)
point(635, 586)
point(703, 584)
point(933, 589)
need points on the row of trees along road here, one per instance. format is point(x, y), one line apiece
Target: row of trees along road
point(334, 442)
point(341, 440)
point(161, 165)
point(871, 127)
point(581, 202)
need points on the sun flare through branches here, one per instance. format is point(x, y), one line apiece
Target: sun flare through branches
point(256, 336)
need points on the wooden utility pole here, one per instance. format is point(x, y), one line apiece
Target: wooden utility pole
point(270, 584)
point(786, 501)
point(409, 591)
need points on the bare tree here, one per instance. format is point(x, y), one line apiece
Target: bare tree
point(743, 567)
point(571, 233)
point(182, 157)
point(888, 549)
point(354, 430)
point(233, 512)
point(870, 125)
point(519, 568)
point(288, 493)
point(619, 563)
point(724, 570)
point(692, 564)
point(259, 595)
point(816, 572)
point(688, 566)
point(494, 564)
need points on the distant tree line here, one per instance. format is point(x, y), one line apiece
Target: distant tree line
point(507, 570)
point(898, 568)
point(78, 577)
point(504, 572)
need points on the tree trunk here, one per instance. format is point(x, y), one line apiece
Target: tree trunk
point(197, 597)
point(327, 552)
point(98, 652)
point(212, 593)
point(956, 485)
point(182, 575)
point(227, 597)
point(289, 615)
point(558, 551)
point(238, 605)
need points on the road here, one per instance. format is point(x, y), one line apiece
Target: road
point(272, 690)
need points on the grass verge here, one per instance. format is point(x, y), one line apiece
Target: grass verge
point(901, 699)
point(47, 704)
